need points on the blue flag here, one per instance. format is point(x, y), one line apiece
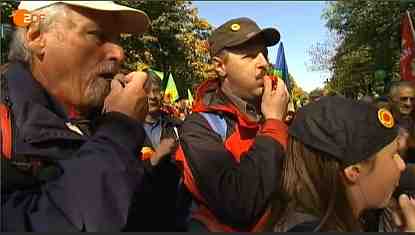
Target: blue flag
point(281, 67)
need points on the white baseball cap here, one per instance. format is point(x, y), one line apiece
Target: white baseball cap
point(132, 20)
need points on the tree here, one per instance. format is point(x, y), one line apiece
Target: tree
point(298, 95)
point(6, 11)
point(175, 43)
point(322, 53)
point(368, 34)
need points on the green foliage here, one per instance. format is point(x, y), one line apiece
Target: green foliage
point(6, 10)
point(298, 95)
point(367, 40)
point(174, 44)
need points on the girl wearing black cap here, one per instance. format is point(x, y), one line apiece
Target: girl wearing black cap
point(342, 160)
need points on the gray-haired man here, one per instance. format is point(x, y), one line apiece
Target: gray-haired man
point(80, 167)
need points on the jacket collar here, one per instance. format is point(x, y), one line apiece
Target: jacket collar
point(23, 88)
point(248, 109)
point(37, 115)
point(210, 98)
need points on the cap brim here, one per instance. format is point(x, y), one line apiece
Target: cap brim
point(132, 21)
point(270, 35)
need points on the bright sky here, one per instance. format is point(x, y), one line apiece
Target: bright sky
point(299, 22)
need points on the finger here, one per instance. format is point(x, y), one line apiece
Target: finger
point(280, 88)
point(129, 76)
point(287, 94)
point(275, 84)
point(116, 85)
point(283, 86)
point(267, 85)
point(121, 78)
point(395, 212)
point(397, 218)
point(408, 210)
point(137, 81)
point(286, 90)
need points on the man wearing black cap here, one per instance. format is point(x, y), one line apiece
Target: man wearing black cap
point(233, 142)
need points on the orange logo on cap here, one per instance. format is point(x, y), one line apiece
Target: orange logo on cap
point(235, 27)
point(386, 118)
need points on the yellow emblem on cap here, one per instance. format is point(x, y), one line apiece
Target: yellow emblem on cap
point(385, 117)
point(235, 27)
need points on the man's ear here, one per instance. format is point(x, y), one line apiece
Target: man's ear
point(352, 173)
point(220, 66)
point(35, 40)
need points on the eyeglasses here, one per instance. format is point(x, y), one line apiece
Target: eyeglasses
point(407, 98)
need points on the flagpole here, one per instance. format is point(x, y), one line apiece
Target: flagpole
point(410, 23)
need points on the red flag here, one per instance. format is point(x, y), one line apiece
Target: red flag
point(408, 48)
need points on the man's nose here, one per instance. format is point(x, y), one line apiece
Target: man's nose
point(114, 52)
point(151, 96)
point(262, 61)
point(400, 163)
point(408, 102)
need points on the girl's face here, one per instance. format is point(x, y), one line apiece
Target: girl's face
point(378, 180)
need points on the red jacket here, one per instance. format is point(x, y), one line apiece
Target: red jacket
point(230, 180)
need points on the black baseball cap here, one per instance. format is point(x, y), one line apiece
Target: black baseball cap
point(237, 31)
point(350, 131)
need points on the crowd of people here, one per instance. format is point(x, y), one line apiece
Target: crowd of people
point(87, 148)
point(180, 109)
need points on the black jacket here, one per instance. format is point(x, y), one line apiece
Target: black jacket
point(233, 178)
point(96, 175)
point(154, 208)
point(376, 220)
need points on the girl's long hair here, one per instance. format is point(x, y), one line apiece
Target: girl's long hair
point(311, 183)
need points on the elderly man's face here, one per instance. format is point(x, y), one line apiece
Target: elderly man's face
point(80, 53)
point(154, 98)
point(405, 100)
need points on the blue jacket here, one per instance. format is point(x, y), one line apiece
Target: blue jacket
point(97, 174)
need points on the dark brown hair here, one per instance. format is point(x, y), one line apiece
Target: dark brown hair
point(312, 183)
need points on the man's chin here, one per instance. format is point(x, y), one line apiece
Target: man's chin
point(153, 110)
point(90, 111)
point(406, 112)
point(94, 106)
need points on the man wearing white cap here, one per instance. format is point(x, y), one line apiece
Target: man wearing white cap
point(71, 166)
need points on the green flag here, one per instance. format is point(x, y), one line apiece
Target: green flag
point(189, 96)
point(159, 74)
point(171, 90)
